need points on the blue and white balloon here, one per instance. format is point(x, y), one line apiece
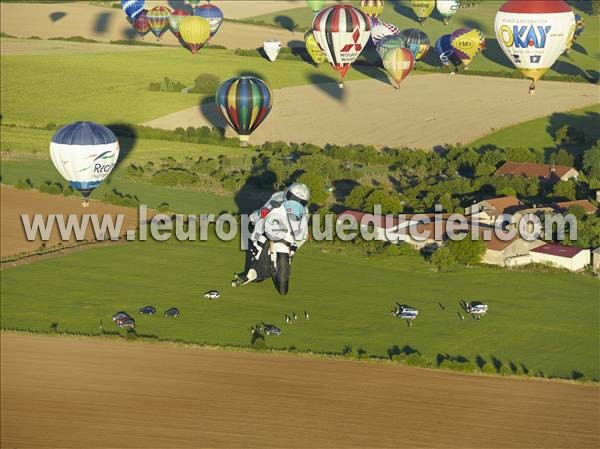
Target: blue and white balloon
point(213, 14)
point(84, 153)
point(132, 7)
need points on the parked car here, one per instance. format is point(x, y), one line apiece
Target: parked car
point(476, 308)
point(148, 310)
point(120, 315)
point(173, 312)
point(212, 294)
point(270, 329)
point(126, 323)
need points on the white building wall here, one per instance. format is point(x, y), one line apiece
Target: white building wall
point(576, 263)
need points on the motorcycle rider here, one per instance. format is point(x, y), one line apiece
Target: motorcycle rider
point(294, 200)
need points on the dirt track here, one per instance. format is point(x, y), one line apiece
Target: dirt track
point(80, 393)
point(106, 24)
point(16, 202)
point(427, 110)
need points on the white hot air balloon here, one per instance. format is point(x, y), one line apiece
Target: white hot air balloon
point(84, 153)
point(447, 8)
point(272, 49)
point(534, 33)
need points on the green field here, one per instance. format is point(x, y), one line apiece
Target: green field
point(546, 321)
point(582, 60)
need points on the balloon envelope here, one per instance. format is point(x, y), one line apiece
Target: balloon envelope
point(382, 30)
point(534, 34)
point(417, 42)
point(467, 43)
point(422, 8)
point(272, 49)
point(141, 24)
point(398, 63)
point(194, 31)
point(244, 102)
point(372, 8)
point(175, 19)
point(445, 51)
point(579, 27)
point(447, 8)
point(132, 7)
point(342, 33)
point(158, 18)
point(84, 153)
point(213, 14)
point(313, 48)
point(315, 5)
point(389, 43)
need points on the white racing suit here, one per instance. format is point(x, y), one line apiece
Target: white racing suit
point(294, 233)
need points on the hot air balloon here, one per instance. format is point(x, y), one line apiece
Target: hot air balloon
point(313, 48)
point(467, 43)
point(372, 8)
point(382, 30)
point(193, 3)
point(389, 43)
point(158, 18)
point(534, 34)
point(244, 102)
point(422, 8)
point(84, 153)
point(579, 27)
point(398, 63)
point(213, 14)
point(272, 49)
point(315, 5)
point(443, 48)
point(194, 31)
point(175, 19)
point(417, 42)
point(141, 24)
point(447, 8)
point(132, 8)
point(342, 33)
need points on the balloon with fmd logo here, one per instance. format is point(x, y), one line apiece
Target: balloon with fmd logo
point(533, 34)
point(84, 153)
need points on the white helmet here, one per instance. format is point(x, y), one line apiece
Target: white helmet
point(298, 192)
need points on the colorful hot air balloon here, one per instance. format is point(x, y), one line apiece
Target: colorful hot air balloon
point(579, 27)
point(398, 63)
point(382, 30)
point(443, 48)
point(467, 43)
point(158, 18)
point(272, 49)
point(84, 153)
point(389, 43)
point(315, 5)
point(313, 48)
point(372, 8)
point(194, 31)
point(141, 24)
point(447, 8)
point(244, 102)
point(422, 8)
point(342, 33)
point(417, 42)
point(533, 34)
point(132, 8)
point(213, 14)
point(175, 19)
point(193, 3)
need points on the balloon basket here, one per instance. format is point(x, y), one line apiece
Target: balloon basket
point(85, 203)
point(341, 85)
point(244, 141)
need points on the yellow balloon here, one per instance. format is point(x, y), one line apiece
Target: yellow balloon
point(467, 43)
point(423, 8)
point(194, 31)
point(313, 48)
point(372, 8)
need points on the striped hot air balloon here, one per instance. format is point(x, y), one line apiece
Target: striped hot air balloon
point(84, 153)
point(158, 18)
point(244, 102)
point(175, 20)
point(382, 30)
point(132, 8)
point(417, 42)
point(389, 43)
point(372, 8)
point(398, 63)
point(443, 48)
point(141, 24)
point(213, 14)
point(342, 33)
point(467, 43)
point(194, 31)
point(447, 8)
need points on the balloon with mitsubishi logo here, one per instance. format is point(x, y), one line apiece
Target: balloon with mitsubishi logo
point(342, 32)
point(533, 34)
point(84, 153)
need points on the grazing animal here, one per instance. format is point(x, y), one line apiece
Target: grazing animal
point(287, 319)
point(306, 315)
point(295, 316)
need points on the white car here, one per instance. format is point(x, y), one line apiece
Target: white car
point(405, 313)
point(212, 294)
point(477, 308)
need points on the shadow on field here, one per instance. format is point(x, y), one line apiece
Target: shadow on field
point(56, 16)
point(404, 10)
point(127, 136)
point(257, 189)
point(405, 350)
point(208, 109)
point(298, 49)
point(494, 53)
point(567, 68)
point(285, 22)
point(102, 22)
point(579, 48)
point(470, 23)
point(180, 4)
point(328, 84)
point(586, 125)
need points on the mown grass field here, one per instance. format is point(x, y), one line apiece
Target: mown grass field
point(581, 61)
point(546, 321)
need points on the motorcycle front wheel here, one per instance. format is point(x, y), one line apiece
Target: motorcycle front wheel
point(281, 273)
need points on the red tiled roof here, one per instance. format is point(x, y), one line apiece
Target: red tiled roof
point(379, 221)
point(531, 170)
point(505, 204)
point(584, 204)
point(557, 250)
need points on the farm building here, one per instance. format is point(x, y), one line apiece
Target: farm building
point(568, 257)
point(487, 211)
point(588, 207)
point(544, 172)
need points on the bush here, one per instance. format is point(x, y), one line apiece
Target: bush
point(167, 85)
point(467, 251)
point(488, 368)
point(121, 199)
point(206, 83)
point(74, 39)
point(24, 185)
point(52, 188)
point(505, 370)
point(442, 258)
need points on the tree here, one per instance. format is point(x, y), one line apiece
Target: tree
point(356, 198)
point(442, 258)
point(316, 184)
point(562, 157)
point(467, 251)
point(565, 190)
point(389, 201)
point(591, 162)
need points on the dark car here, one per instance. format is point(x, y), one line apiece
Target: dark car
point(147, 310)
point(120, 315)
point(172, 312)
point(270, 329)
